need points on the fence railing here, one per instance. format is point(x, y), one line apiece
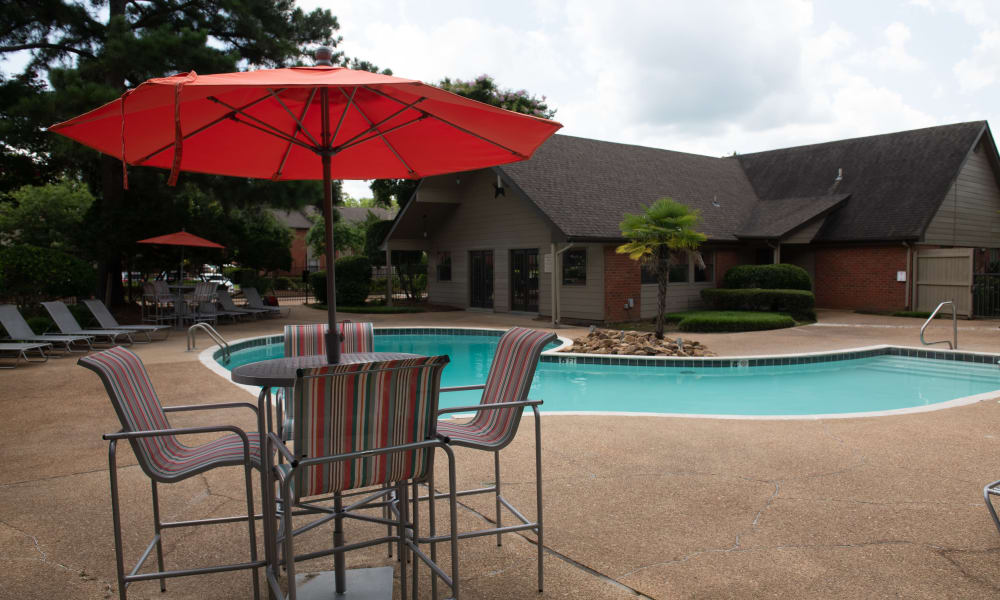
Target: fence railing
point(986, 294)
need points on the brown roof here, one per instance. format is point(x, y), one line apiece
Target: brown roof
point(584, 186)
point(773, 219)
point(896, 181)
point(302, 218)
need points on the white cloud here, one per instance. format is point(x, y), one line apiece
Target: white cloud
point(893, 54)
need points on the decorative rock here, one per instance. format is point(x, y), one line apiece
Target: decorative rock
point(634, 343)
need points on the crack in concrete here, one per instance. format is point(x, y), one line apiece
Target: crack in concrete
point(944, 553)
point(44, 559)
point(52, 477)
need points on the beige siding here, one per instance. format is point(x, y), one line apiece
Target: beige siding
point(969, 214)
point(481, 222)
point(680, 296)
point(584, 301)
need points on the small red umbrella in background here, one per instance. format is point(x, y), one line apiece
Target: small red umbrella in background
point(182, 239)
point(322, 122)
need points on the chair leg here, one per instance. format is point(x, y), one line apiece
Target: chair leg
point(385, 515)
point(156, 530)
point(496, 497)
point(989, 504)
point(339, 573)
point(453, 506)
point(431, 526)
point(116, 520)
point(286, 520)
point(401, 531)
point(254, 573)
point(416, 534)
point(538, 495)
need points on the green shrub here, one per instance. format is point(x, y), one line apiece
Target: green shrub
point(799, 303)
point(768, 277)
point(31, 274)
point(40, 325)
point(283, 283)
point(317, 281)
point(354, 280)
point(82, 315)
point(250, 278)
point(731, 321)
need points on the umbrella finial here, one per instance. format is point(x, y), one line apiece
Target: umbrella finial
point(324, 56)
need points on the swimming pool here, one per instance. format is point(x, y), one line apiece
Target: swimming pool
point(870, 380)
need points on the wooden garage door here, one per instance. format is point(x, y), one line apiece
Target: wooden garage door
point(944, 274)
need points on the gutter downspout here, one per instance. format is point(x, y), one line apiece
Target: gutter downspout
point(906, 297)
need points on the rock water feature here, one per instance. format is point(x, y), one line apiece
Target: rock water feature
point(635, 343)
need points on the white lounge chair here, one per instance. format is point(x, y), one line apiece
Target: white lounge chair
point(106, 320)
point(254, 301)
point(227, 304)
point(68, 325)
point(19, 330)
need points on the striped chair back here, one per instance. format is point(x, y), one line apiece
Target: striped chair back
point(131, 392)
point(349, 408)
point(509, 380)
point(301, 340)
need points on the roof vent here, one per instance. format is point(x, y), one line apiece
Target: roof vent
point(840, 176)
point(715, 201)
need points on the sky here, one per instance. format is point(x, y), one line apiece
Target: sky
point(709, 76)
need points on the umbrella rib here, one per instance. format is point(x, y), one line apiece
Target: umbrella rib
point(197, 131)
point(378, 134)
point(375, 127)
point(263, 125)
point(279, 135)
point(371, 123)
point(298, 121)
point(350, 101)
point(447, 122)
point(288, 149)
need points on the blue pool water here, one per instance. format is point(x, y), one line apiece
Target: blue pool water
point(846, 386)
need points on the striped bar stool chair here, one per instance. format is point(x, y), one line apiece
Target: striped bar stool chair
point(497, 416)
point(366, 431)
point(165, 459)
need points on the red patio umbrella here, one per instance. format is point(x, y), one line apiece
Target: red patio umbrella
point(320, 122)
point(181, 238)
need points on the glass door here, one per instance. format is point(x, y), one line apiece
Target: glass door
point(524, 280)
point(481, 278)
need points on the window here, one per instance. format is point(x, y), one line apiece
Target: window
point(708, 273)
point(678, 273)
point(574, 267)
point(444, 266)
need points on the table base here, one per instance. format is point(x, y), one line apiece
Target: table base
point(362, 584)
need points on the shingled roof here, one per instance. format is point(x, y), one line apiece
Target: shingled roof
point(772, 219)
point(584, 186)
point(896, 181)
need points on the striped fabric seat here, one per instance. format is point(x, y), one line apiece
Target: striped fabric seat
point(349, 408)
point(301, 340)
point(164, 458)
point(509, 380)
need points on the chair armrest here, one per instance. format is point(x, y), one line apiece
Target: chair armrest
point(280, 447)
point(462, 388)
point(123, 435)
point(490, 406)
point(187, 407)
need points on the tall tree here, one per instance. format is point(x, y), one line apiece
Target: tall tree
point(664, 232)
point(90, 51)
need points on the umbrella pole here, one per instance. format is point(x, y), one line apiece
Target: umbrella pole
point(333, 337)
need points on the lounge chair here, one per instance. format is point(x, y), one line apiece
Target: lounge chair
point(498, 414)
point(106, 320)
point(335, 456)
point(254, 301)
point(165, 459)
point(19, 330)
point(68, 325)
point(20, 351)
point(226, 301)
point(210, 309)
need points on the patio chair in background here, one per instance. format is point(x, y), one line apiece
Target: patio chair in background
point(341, 456)
point(226, 301)
point(254, 301)
point(211, 309)
point(67, 324)
point(505, 396)
point(19, 330)
point(164, 459)
point(992, 489)
point(106, 320)
point(157, 303)
point(20, 351)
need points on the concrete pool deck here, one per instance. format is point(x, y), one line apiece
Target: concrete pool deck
point(635, 507)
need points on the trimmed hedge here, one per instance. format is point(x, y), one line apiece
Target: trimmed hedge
point(30, 274)
point(731, 321)
point(354, 279)
point(770, 277)
point(799, 303)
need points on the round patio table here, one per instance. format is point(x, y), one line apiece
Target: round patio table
point(280, 372)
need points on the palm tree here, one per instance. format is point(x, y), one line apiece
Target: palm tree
point(663, 233)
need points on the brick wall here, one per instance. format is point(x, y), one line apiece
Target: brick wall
point(621, 281)
point(860, 277)
point(727, 258)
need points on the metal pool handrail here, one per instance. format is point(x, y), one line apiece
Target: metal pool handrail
point(212, 333)
point(954, 326)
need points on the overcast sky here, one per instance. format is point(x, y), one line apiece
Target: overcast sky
point(706, 76)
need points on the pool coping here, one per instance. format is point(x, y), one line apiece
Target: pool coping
point(207, 358)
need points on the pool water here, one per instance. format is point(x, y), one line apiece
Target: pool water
point(846, 386)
